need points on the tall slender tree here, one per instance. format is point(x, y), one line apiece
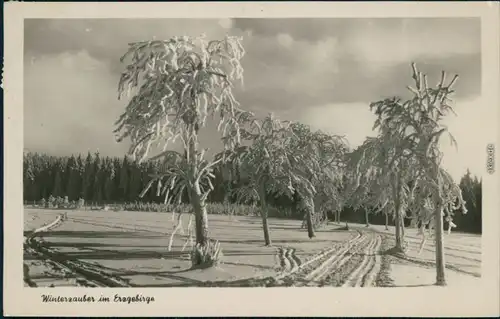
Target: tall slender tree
point(179, 83)
point(72, 181)
point(379, 173)
point(415, 129)
point(123, 179)
point(96, 189)
point(109, 180)
point(322, 156)
point(58, 173)
point(87, 177)
point(29, 173)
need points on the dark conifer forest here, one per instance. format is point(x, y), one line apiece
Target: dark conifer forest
point(101, 180)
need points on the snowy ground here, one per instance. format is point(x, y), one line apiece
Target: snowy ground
point(102, 248)
point(462, 257)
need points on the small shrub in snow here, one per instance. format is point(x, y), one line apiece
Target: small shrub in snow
point(206, 256)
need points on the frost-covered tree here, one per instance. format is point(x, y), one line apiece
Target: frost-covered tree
point(175, 86)
point(270, 165)
point(322, 158)
point(412, 129)
point(379, 176)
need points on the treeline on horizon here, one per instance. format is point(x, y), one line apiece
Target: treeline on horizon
point(115, 180)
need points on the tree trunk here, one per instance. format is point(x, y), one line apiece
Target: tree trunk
point(440, 261)
point(402, 228)
point(386, 221)
point(397, 223)
point(310, 211)
point(200, 217)
point(366, 218)
point(199, 207)
point(263, 214)
point(265, 226)
point(296, 201)
point(397, 216)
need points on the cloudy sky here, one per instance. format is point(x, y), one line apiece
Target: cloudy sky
point(322, 72)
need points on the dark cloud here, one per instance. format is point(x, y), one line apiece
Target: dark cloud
point(107, 39)
point(301, 29)
point(315, 29)
point(371, 60)
point(355, 83)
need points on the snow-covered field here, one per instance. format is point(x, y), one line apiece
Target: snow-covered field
point(107, 248)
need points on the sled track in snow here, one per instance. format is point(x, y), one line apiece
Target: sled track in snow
point(317, 270)
point(287, 259)
point(289, 278)
point(354, 263)
point(84, 274)
point(336, 260)
point(364, 274)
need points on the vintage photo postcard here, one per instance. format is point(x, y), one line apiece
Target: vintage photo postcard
point(251, 159)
